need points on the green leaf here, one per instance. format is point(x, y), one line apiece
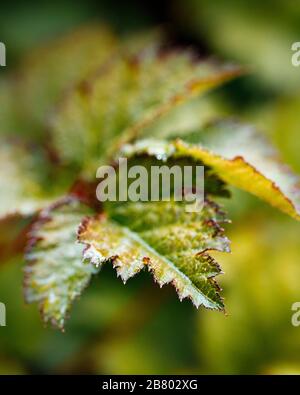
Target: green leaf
point(52, 69)
point(128, 94)
point(22, 189)
point(162, 236)
point(239, 156)
point(54, 274)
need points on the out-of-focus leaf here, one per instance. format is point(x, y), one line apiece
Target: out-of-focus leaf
point(55, 275)
point(129, 94)
point(21, 186)
point(162, 236)
point(6, 107)
point(239, 156)
point(55, 67)
point(226, 26)
point(281, 119)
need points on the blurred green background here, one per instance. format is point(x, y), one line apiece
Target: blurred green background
point(139, 328)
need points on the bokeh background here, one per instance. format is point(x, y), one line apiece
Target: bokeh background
point(139, 328)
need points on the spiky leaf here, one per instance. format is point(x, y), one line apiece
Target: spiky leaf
point(162, 236)
point(54, 274)
point(239, 156)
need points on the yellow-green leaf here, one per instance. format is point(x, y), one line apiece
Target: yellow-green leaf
point(239, 156)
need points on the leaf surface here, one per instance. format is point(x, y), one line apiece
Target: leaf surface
point(127, 95)
point(54, 274)
point(239, 156)
point(162, 236)
point(47, 72)
point(21, 186)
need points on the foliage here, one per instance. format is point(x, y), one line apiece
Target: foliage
point(54, 275)
point(91, 111)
